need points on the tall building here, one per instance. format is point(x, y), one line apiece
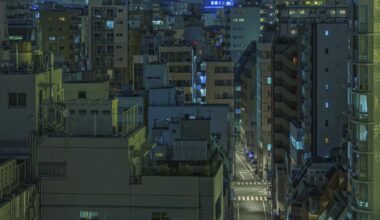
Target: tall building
point(365, 112)
point(109, 41)
point(244, 26)
point(60, 35)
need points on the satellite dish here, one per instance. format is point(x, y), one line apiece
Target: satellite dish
point(65, 113)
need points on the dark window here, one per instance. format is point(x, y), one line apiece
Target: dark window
point(94, 112)
point(160, 216)
point(16, 99)
point(82, 95)
point(326, 51)
point(82, 112)
point(326, 123)
point(326, 70)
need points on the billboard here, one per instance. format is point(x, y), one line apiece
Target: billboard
point(218, 3)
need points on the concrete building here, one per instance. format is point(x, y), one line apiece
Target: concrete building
point(27, 99)
point(220, 83)
point(109, 41)
point(364, 122)
point(18, 194)
point(4, 49)
point(319, 192)
point(179, 63)
point(244, 27)
point(245, 98)
point(60, 35)
point(140, 188)
point(264, 105)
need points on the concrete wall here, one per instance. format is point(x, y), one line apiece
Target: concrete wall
point(94, 90)
point(331, 71)
point(17, 122)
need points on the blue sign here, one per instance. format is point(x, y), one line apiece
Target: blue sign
point(218, 3)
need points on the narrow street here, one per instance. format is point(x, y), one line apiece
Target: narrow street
point(250, 197)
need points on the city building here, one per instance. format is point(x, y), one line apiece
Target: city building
point(29, 106)
point(244, 26)
point(109, 41)
point(60, 35)
point(18, 193)
point(245, 98)
point(364, 114)
point(178, 59)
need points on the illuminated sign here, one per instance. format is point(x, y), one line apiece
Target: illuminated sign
point(219, 3)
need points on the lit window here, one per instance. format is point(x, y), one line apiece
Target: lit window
point(51, 38)
point(269, 80)
point(342, 11)
point(327, 33)
point(326, 87)
point(87, 215)
point(327, 140)
point(62, 18)
point(326, 105)
point(109, 25)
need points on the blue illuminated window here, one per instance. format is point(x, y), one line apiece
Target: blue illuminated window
point(109, 25)
point(327, 32)
point(327, 105)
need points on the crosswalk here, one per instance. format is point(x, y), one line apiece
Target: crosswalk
point(247, 183)
point(250, 198)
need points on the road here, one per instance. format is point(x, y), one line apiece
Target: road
point(250, 197)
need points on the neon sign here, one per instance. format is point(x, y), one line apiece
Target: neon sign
point(218, 3)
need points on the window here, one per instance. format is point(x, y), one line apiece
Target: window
point(159, 216)
point(326, 51)
point(51, 169)
point(16, 99)
point(61, 18)
point(82, 112)
point(94, 112)
point(72, 112)
point(363, 132)
point(326, 70)
point(88, 215)
point(327, 33)
point(326, 123)
point(326, 87)
point(119, 34)
point(106, 112)
point(109, 25)
point(82, 95)
point(327, 105)
point(51, 38)
point(327, 140)
point(269, 80)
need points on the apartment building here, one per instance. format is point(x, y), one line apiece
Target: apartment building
point(245, 97)
point(219, 83)
point(61, 36)
point(364, 112)
point(179, 64)
point(109, 41)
